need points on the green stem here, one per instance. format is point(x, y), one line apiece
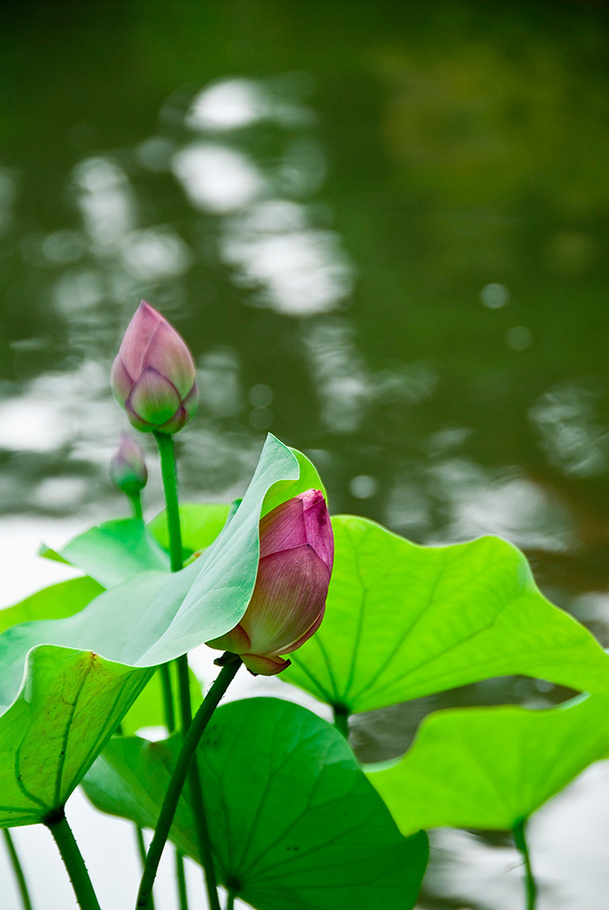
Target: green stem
point(17, 869)
point(181, 877)
point(136, 504)
point(230, 901)
point(72, 857)
point(341, 720)
point(170, 720)
point(521, 843)
point(141, 849)
point(170, 487)
point(180, 772)
point(196, 793)
point(203, 836)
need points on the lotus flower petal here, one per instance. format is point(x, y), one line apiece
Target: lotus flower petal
point(127, 467)
point(154, 399)
point(264, 666)
point(153, 377)
point(288, 601)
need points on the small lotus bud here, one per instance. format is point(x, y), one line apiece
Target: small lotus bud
point(289, 597)
point(128, 468)
point(153, 375)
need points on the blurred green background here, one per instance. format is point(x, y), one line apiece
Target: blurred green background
point(381, 227)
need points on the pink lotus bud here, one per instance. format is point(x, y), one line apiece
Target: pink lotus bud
point(153, 376)
point(128, 468)
point(289, 598)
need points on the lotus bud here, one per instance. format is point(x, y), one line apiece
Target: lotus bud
point(128, 468)
point(153, 375)
point(289, 597)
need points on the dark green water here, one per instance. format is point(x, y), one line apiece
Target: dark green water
point(380, 226)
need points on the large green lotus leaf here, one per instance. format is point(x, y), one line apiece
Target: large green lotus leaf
point(149, 619)
point(404, 621)
point(54, 602)
point(492, 767)
point(68, 706)
point(113, 551)
point(200, 524)
point(293, 819)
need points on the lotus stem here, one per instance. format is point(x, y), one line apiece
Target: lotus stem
point(521, 842)
point(178, 777)
point(83, 889)
point(18, 870)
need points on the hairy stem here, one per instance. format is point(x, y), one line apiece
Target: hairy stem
point(18, 870)
point(180, 772)
point(72, 857)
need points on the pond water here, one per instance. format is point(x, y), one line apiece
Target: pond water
point(382, 230)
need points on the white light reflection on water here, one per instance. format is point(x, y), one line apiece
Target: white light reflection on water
point(8, 194)
point(62, 247)
point(482, 502)
point(31, 425)
point(293, 267)
point(217, 178)
point(347, 388)
point(156, 253)
point(275, 246)
point(106, 200)
point(364, 486)
point(60, 430)
point(494, 296)
point(570, 429)
point(341, 375)
point(227, 105)
point(235, 103)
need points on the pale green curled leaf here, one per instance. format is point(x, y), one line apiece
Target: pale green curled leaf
point(404, 621)
point(200, 524)
point(492, 767)
point(293, 820)
point(54, 602)
point(151, 618)
point(308, 479)
point(113, 551)
point(68, 707)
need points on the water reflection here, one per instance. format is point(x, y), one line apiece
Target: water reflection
point(570, 428)
point(293, 267)
point(480, 502)
point(233, 103)
point(217, 178)
point(106, 201)
point(8, 194)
